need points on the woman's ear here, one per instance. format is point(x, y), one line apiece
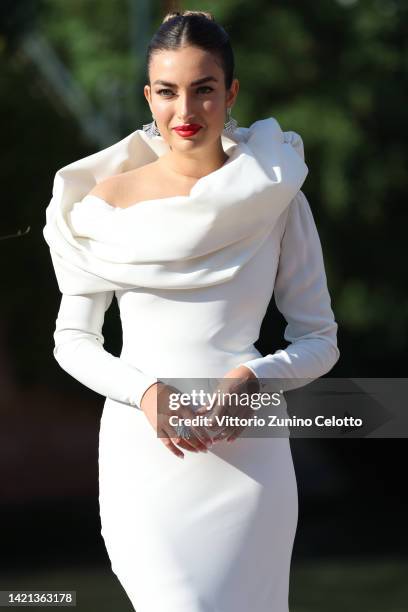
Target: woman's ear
point(232, 93)
point(147, 95)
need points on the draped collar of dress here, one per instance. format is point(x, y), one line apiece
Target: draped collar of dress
point(179, 242)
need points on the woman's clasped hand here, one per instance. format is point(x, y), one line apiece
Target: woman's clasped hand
point(156, 407)
point(238, 382)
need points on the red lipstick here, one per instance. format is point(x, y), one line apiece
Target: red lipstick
point(188, 129)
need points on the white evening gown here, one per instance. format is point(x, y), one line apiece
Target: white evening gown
point(193, 276)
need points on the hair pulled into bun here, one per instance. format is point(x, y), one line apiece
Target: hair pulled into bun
point(205, 14)
point(198, 29)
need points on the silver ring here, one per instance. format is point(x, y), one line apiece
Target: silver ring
point(183, 431)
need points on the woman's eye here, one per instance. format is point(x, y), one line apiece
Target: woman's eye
point(206, 87)
point(162, 91)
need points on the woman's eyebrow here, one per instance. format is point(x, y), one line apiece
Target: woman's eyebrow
point(198, 82)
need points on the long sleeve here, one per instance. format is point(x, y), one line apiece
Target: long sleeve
point(79, 350)
point(302, 296)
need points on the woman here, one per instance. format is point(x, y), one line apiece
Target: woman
point(192, 224)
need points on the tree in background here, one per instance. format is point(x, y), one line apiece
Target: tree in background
point(334, 72)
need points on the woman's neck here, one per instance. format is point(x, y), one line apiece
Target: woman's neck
point(188, 168)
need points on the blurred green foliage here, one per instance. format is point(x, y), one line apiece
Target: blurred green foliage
point(333, 71)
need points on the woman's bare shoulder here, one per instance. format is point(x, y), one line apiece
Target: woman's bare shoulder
point(104, 189)
point(119, 188)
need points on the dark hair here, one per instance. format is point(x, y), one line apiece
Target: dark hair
point(195, 28)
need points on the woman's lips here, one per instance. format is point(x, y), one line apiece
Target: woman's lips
point(188, 130)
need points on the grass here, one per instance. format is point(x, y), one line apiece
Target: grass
point(371, 585)
point(365, 585)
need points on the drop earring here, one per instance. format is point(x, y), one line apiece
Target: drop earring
point(151, 129)
point(231, 124)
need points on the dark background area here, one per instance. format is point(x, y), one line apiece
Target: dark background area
point(71, 80)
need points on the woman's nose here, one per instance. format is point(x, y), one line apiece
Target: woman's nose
point(185, 107)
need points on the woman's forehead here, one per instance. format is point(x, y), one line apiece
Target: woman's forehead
point(184, 62)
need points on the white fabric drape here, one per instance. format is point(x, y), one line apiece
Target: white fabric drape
point(224, 220)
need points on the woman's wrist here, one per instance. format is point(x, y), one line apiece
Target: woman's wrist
point(154, 388)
